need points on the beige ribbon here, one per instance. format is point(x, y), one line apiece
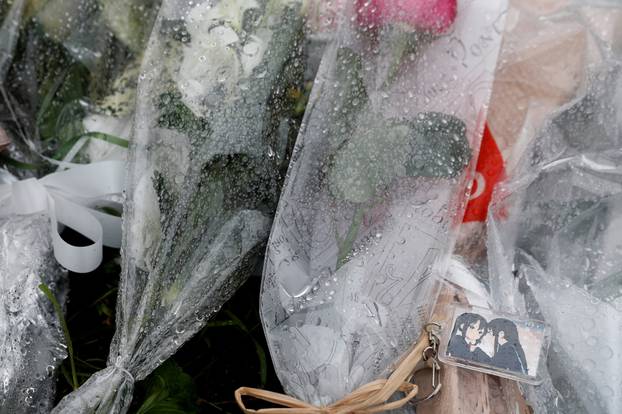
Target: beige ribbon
point(369, 398)
point(4, 139)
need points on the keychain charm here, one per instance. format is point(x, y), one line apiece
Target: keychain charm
point(496, 343)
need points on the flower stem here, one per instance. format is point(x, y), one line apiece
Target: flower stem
point(345, 245)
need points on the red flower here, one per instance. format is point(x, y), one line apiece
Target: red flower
point(435, 16)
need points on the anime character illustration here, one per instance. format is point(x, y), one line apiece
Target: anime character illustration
point(508, 351)
point(497, 344)
point(467, 334)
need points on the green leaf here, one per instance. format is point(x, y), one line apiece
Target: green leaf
point(438, 146)
point(174, 114)
point(380, 150)
point(60, 114)
point(259, 349)
point(169, 390)
point(112, 139)
point(345, 245)
point(373, 156)
point(5, 159)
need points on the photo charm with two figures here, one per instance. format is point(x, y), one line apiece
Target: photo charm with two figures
point(496, 343)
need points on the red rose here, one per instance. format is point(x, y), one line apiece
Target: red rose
point(435, 16)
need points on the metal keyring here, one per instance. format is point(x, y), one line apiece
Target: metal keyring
point(436, 370)
point(430, 353)
point(433, 327)
point(429, 396)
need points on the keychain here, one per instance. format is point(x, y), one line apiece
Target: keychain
point(495, 343)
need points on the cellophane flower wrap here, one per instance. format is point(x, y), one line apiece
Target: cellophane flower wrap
point(211, 135)
point(52, 74)
point(31, 342)
point(376, 186)
point(555, 245)
point(68, 70)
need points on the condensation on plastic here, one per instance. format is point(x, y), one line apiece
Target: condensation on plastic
point(32, 346)
point(31, 342)
point(333, 321)
point(9, 33)
point(555, 245)
point(547, 47)
point(89, 49)
point(203, 185)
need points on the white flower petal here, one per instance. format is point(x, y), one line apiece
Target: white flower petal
point(254, 50)
point(206, 75)
point(215, 61)
point(224, 34)
point(229, 11)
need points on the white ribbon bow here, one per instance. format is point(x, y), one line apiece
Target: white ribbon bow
point(70, 197)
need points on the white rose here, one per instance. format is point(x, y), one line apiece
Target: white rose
point(253, 51)
point(230, 12)
point(217, 58)
point(210, 69)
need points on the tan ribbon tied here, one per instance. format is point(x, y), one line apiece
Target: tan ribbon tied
point(5, 141)
point(369, 398)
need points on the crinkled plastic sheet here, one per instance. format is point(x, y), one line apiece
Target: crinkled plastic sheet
point(548, 48)
point(210, 144)
point(69, 68)
point(555, 246)
point(358, 236)
point(31, 342)
point(10, 18)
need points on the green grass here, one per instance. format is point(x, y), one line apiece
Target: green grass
point(59, 313)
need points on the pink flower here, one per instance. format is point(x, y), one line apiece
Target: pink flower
point(435, 16)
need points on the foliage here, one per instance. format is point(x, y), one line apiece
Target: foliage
point(169, 391)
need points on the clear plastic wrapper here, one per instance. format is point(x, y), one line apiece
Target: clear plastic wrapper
point(212, 132)
point(378, 179)
point(68, 70)
point(555, 245)
point(547, 49)
point(43, 94)
point(31, 341)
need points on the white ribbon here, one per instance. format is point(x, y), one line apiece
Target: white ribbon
point(70, 197)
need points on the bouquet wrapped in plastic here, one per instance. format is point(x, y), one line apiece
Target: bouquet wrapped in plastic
point(377, 182)
point(32, 252)
point(59, 63)
point(31, 344)
point(211, 132)
point(68, 70)
point(555, 245)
